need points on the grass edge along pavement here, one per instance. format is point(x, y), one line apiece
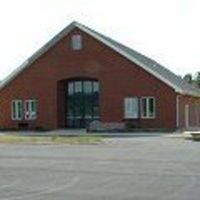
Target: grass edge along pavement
point(71, 140)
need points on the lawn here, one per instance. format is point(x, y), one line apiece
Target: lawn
point(72, 140)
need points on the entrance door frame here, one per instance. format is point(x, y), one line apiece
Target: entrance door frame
point(74, 117)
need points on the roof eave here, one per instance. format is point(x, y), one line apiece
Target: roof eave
point(188, 93)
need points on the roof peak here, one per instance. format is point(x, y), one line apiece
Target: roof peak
point(76, 23)
point(144, 62)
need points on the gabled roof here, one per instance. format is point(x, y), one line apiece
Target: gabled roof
point(151, 66)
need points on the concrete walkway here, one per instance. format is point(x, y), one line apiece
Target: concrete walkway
point(79, 132)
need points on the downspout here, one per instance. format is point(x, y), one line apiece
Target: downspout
point(177, 111)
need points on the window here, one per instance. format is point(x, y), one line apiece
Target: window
point(24, 110)
point(131, 108)
point(148, 107)
point(30, 109)
point(76, 42)
point(17, 110)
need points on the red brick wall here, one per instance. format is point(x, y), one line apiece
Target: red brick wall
point(118, 78)
point(194, 111)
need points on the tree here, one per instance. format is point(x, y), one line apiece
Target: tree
point(188, 78)
point(197, 78)
point(193, 80)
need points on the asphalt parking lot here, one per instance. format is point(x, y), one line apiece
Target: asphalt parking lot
point(153, 168)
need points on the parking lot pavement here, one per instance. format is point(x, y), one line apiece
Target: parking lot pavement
point(153, 168)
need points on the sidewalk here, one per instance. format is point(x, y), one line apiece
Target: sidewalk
point(80, 132)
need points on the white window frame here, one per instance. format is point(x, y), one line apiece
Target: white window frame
point(76, 42)
point(28, 113)
point(16, 116)
point(147, 107)
point(131, 108)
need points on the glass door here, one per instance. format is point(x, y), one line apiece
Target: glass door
point(82, 102)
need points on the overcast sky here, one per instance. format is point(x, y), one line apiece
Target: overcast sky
point(165, 30)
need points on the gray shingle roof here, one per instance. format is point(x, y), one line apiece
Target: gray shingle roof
point(167, 74)
point(154, 68)
point(177, 81)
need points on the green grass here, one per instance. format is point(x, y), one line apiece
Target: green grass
point(73, 140)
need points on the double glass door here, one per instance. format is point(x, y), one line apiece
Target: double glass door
point(82, 102)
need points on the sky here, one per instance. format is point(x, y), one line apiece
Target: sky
point(166, 31)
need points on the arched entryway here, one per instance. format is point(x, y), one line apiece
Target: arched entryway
point(81, 102)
